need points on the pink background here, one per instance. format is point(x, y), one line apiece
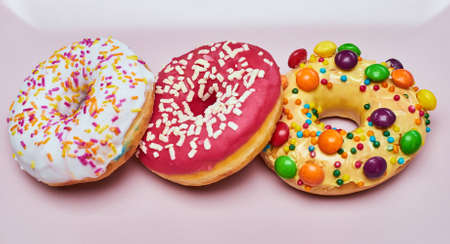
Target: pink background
point(135, 206)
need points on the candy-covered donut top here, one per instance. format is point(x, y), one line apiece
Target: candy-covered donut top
point(208, 103)
point(74, 109)
point(391, 113)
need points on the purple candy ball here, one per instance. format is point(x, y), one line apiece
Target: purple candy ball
point(382, 117)
point(394, 63)
point(375, 167)
point(346, 59)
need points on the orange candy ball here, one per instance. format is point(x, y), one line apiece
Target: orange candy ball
point(402, 78)
point(307, 79)
point(330, 141)
point(311, 174)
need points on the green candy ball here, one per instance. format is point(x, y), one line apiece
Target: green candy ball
point(410, 142)
point(285, 167)
point(377, 72)
point(350, 46)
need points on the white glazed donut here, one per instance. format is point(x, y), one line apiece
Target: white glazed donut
point(79, 114)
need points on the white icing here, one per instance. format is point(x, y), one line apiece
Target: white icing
point(46, 93)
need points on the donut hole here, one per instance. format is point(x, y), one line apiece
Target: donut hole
point(198, 106)
point(77, 99)
point(345, 123)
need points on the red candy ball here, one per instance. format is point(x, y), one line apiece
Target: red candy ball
point(297, 57)
point(281, 134)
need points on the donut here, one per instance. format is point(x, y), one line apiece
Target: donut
point(215, 109)
point(390, 111)
point(81, 113)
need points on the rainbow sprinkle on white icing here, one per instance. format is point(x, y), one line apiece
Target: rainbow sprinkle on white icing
point(73, 111)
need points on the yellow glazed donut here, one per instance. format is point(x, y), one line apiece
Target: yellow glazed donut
point(380, 97)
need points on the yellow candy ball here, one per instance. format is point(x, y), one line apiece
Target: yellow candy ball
point(325, 49)
point(426, 99)
point(346, 177)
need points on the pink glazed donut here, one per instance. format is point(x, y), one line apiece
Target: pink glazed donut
point(215, 110)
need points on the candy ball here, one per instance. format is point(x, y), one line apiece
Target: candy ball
point(377, 72)
point(346, 59)
point(285, 167)
point(351, 47)
point(281, 134)
point(382, 117)
point(410, 142)
point(426, 99)
point(298, 56)
point(374, 167)
point(325, 49)
point(311, 174)
point(330, 141)
point(394, 63)
point(307, 79)
point(402, 78)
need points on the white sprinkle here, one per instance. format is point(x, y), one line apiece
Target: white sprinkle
point(189, 57)
point(166, 100)
point(206, 144)
point(201, 90)
point(217, 134)
point(268, 61)
point(179, 70)
point(233, 125)
point(237, 111)
point(149, 137)
point(158, 123)
point(155, 154)
point(209, 129)
point(192, 153)
point(190, 96)
point(193, 143)
point(163, 138)
point(143, 147)
point(181, 140)
point(191, 84)
point(195, 75)
point(191, 130)
point(221, 117)
point(155, 146)
point(171, 151)
point(236, 75)
point(253, 75)
point(202, 62)
point(183, 87)
point(246, 94)
point(219, 77)
point(260, 53)
point(221, 62)
point(159, 90)
point(174, 106)
point(261, 73)
point(198, 129)
point(168, 80)
point(203, 51)
point(168, 69)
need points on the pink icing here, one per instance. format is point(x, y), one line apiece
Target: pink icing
point(176, 155)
